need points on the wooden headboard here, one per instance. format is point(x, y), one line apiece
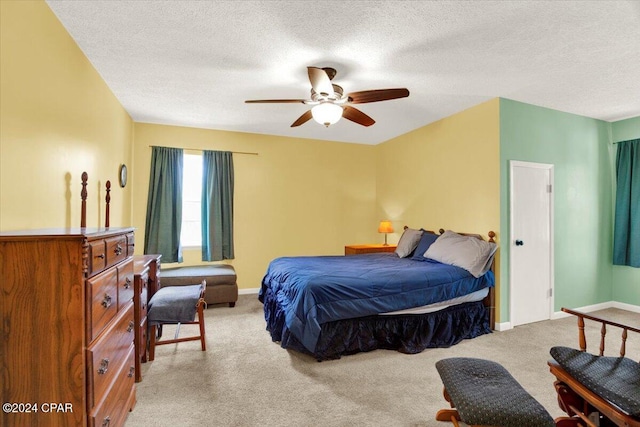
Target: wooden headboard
point(491, 234)
point(490, 300)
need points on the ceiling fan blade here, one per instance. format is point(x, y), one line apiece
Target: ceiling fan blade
point(320, 81)
point(357, 116)
point(302, 119)
point(331, 72)
point(276, 101)
point(377, 95)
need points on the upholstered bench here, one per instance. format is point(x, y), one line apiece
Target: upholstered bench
point(221, 281)
point(614, 379)
point(484, 393)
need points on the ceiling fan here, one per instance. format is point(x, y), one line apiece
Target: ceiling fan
point(329, 102)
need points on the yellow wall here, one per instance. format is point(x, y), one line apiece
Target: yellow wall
point(444, 175)
point(58, 118)
point(296, 197)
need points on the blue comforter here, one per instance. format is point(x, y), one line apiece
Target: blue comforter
point(316, 290)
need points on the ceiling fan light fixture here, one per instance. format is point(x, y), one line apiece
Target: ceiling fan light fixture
point(326, 113)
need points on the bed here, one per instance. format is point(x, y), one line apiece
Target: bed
point(424, 295)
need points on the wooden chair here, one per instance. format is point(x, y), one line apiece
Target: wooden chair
point(176, 305)
point(595, 390)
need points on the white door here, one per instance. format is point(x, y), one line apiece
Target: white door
point(531, 245)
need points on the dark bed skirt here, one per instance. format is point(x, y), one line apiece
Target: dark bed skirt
point(408, 333)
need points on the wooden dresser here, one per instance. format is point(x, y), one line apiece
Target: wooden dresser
point(67, 331)
point(146, 270)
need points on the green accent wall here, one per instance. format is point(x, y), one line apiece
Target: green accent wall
point(581, 153)
point(626, 280)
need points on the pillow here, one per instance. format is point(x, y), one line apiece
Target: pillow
point(408, 242)
point(468, 252)
point(425, 242)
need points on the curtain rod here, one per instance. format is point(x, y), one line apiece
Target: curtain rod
point(202, 149)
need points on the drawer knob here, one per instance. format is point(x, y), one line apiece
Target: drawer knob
point(104, 366)
point(130, 328)
point(106, 302)
point(118, 250)
point(106, 422)
point(132, 369)
point(127, 283)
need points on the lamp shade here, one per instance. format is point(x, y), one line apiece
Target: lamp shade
point(385, 227)
point(326, 113)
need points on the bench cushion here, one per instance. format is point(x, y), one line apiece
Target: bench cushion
point(485, 393)
point(221, 280)
point(174, 304)
point(615, 379)
point(214, 274)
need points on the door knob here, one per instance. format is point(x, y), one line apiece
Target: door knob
point(519, 243)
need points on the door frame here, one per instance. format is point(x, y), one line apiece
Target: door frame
point(550, 167)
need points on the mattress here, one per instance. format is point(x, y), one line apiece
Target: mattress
point(478, 295)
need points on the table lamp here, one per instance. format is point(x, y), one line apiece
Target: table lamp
point(385, 227)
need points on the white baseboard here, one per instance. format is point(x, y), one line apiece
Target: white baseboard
point(625, 306)
point(601, 306)
point(505, 326)
point(585, 309)
point(248, 291)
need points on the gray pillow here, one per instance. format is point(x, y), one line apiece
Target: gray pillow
point(408, 242)
point(468, 252)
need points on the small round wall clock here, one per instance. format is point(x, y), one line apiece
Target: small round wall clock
point(123, 175)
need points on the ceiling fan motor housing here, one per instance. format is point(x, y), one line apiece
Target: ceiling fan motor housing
point(337, 95)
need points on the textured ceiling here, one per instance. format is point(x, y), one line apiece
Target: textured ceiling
point(193, 63)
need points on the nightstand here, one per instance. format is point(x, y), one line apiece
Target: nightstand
point(368, 249)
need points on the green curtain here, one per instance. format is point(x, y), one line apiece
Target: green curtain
point(217, 205)
point(164, 204)
point(626, 236)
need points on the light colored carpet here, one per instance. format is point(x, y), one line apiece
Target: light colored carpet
point(245, 379)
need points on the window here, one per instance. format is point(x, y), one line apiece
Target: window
point(191, 232)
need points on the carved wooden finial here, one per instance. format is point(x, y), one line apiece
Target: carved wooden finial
point(107, 200)
point(83, 196)
point(491, 235)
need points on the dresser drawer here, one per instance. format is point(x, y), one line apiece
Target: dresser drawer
point(102, 291)
point(97, 256)
point(143, 304)
point(141, 348)
point(116, 249)
point(107, 355)
point(125, 284)
point(142, 293)
point(119, 399)
point(104, 253)
point(131, 243)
